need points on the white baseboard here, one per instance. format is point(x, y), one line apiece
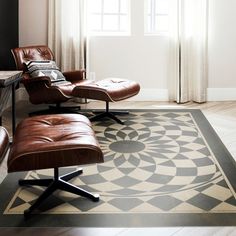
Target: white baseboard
point(221, 94)
point(151, 95)
point(213, 94)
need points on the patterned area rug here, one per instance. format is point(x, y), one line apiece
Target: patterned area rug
point(162, 168)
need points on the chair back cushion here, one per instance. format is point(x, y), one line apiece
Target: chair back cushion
point(31, 53)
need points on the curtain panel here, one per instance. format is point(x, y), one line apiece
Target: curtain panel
point(188, 50)
point(67, 35)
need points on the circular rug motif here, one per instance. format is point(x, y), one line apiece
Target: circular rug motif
point(152, 154)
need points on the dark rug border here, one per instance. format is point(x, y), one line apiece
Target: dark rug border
point(222, 155)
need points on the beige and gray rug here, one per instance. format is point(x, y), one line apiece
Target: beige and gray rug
point(162, 168)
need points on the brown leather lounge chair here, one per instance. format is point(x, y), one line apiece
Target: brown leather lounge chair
point(52, 141)
point(41, 90)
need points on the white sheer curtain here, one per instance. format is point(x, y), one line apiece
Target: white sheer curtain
point(67, 33)
point(188, 50)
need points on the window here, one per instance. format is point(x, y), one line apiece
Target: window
point(107, 17)
point(156, 16)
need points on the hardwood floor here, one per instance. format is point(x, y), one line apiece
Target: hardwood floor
point(221, 115)
point(175, 231)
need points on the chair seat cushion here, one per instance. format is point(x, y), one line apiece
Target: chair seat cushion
point(110, 89)
point(51, 141)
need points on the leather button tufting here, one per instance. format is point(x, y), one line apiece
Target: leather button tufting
point(50, 141)
point(28, 57)
point(44, 53)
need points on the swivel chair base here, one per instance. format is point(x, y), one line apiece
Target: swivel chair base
point(58, 182)
point(109, 114)
point(57, 109)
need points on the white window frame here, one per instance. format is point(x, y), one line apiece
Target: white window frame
point(119, 14)
point(153, 25)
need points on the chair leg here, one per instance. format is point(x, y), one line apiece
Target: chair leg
point(63, 109)
point(49, 191)
point(77, 190)
point(71, 175)
point(120, 112)
point(109, 114)
point(59, 182)
point(35, 182)
point(115, 112)
point(113, 117)
point(41, 112)
point(56, 109)
point(51, 110)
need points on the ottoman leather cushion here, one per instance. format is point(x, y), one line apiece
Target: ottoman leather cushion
point(51, 141)
point(110, 89)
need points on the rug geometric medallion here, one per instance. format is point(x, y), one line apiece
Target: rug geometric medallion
point(162, 168)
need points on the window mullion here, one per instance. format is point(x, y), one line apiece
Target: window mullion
point(102, 15)
point(153, 17)
point(157, 15)
point(109, 17)
point(119, 14)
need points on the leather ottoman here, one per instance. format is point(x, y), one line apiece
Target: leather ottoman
point(53, 141)
point(108, 90)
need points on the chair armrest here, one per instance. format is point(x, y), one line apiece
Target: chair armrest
point(27, 80)
point(74, 76)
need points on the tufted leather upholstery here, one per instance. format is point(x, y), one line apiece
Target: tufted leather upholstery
point(25, 54)
point(4, 142)
point(40, 89)
point(50, 141)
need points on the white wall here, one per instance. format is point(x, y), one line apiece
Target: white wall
point(32, 22)
point(136, 57)
point(222, 50)
point(144, 58)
